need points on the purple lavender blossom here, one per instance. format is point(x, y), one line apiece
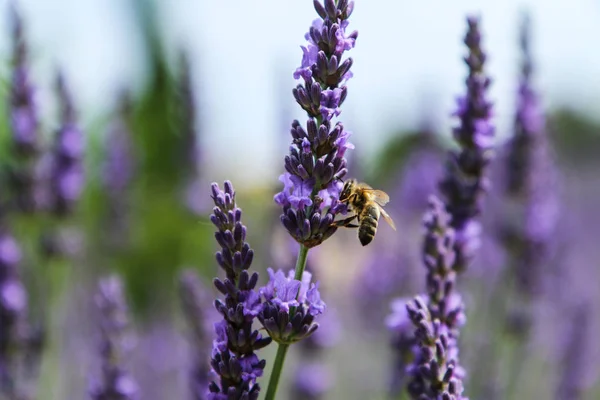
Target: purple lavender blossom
point(290, 306)
point(311, 381)
point(437, 315)
point(24, 124)
point(66, 166)
point(233, 357)
point(13, 310)
point(194, 300)
point(23, 111)
point(451, 238)
point(532, 206)
point(116, 382)
point(465, 181)
point(316, 163)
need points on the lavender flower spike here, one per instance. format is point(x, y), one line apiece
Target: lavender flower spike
point(316, 163)
point(23, 112)
point(438, 315)
point(290, 307)
point(67, 179)
point(465, 182)
point(13, 310)
point(116, 383)
point(193, 296)
point(233, 357)
point(23, 116)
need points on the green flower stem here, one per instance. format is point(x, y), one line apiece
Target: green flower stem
point(282, 349)
point(276, 372)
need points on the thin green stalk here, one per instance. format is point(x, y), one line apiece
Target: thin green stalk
point(276, 372)
point(301, 262)
point(282, 349)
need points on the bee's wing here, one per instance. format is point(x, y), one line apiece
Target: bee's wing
point(379, 196)
point(387, 218)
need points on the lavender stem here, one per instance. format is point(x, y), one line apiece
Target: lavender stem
point(277, 368)
point(282, 348)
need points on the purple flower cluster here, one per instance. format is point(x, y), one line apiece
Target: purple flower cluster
point(193, 296)
point(24, 122)
point(66, 169)
point(234, 359)
point(13, 310)
point(437, 315)
point(290, 306)
point(531, 185)
point(116, 383)
point(316, 163)
point(23, 111)
point(452, 236)
point(465, 183)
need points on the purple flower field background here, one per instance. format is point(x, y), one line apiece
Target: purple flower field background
point(110, 221)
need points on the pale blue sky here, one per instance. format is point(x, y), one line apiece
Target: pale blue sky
point(407, 62)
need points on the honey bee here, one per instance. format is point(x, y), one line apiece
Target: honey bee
point(367, 204)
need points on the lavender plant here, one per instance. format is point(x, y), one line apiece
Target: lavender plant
point(115, 382)
point(66, 170)
point(531, 184)
point(193, 296)
point(234, 359)
point(24, 122)
point(312, 181)
point(13, 311)
point(451, 237)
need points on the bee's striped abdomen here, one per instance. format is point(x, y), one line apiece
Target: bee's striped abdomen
point(368, 225)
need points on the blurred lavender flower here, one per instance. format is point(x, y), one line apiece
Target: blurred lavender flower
point(451, 238)
point(116, 383)
point(24, 122)
point(234, 359)
point(532, 206)
point(66, 166)
point(311, 381)
point(290, 306)
point(465, 182)
point(194, 300)
point(438, 315)
point(13, 311)
point(316, 161)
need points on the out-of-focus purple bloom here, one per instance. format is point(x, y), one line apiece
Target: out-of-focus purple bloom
point(465, 182)
point(437, 315)
point(311, 381)
point(66, 164)
point(233, 356)
point(23, 111)
point(316, 160)
point(13, 313)
point(451, 238)
point(532, 205)
point(115, 345)
point(24, 124)
point(290, 306)
point(195, 303)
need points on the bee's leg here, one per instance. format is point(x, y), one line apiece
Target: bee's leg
point(346, 223)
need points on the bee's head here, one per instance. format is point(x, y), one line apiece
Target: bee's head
point(347, 190)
